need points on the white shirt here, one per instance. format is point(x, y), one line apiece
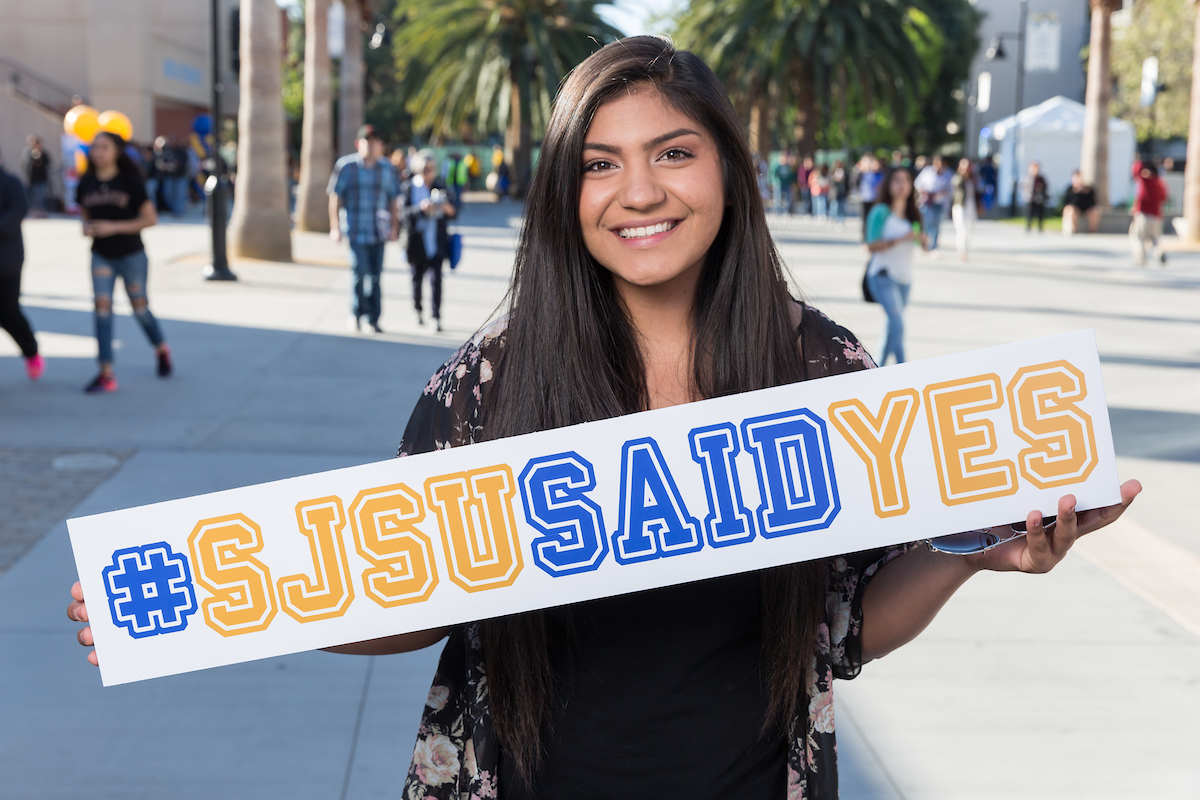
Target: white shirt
point(897, 259)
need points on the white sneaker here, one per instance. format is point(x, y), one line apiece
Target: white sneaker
point(355, 324)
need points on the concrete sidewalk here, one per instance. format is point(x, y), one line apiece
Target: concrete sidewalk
point(1081, 684)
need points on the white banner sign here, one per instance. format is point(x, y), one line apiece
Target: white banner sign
point(713, 488)
point(1043, 42)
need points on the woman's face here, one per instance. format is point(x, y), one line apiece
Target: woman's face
point(653, 194)
point(103, 152)
point(900, 185)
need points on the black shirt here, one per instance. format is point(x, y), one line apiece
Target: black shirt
point(1084, 199)
point(118, 199)
point(12, 211)
point(690, 660)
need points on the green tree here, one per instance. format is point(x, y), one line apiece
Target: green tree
point(947, 49)
point(494, 64)
point(1161, 28)
point(796, 53)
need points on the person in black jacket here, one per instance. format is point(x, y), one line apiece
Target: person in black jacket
point(12, 258)
point(426, 208)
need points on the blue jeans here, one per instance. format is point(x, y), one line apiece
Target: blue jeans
point(839, 209)
point(132, 270)
point(366, 260)
point(893, 296)
point(175, 188)
point(820, 205)
point(932, 215)
point(785, 200)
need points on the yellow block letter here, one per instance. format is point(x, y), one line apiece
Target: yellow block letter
point(479, 528)
point(959, 443)
point(329, 595)
point(1045, 415)
point(879, 442)
point(385, 534)
point(223, 551)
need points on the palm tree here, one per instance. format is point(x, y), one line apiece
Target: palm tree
point(316, 147)
point(495, 63)
point(795, 48)
point(1191, 175)
point(260, 226)
point(1093, 163)
point(350, 83)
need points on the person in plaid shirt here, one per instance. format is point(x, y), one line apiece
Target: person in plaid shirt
point(362, 207)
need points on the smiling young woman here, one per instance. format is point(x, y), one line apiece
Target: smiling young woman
point(646, 277)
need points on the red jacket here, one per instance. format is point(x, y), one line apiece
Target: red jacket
point(1151, 193)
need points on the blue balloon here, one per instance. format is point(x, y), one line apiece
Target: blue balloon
point(202, 124)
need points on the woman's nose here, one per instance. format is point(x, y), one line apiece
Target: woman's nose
point(641, 188)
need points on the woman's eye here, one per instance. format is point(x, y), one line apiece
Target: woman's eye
point(597, 166)
point(676, 154)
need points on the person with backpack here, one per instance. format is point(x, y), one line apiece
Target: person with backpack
point(426, 206)
point(362, 208)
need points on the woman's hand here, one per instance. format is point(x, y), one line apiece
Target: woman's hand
point(77, 611)
point(1040, 550)
point(99, 229)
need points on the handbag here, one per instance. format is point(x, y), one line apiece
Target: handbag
point(866, 286)
point(455, 248)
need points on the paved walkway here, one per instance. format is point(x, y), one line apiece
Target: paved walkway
point(1081, 684)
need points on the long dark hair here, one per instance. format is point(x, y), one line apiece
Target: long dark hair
point(125, 165)
point(571, 354)
point(884, 198)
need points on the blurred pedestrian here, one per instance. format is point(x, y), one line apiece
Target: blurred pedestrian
point(987, 183)
point(363, 190)
point(869, 178)
point(818, 189)
point(400, 163)
point(963, 206)
point(1079, 203)
point(170, 163)
point(892, 228)
point(112, 199)
point(1035, 191)
point(785, 176)
point(35, 168)
point(803, 174)
point(12, 258)
point(839, 192)
point(764, 178)
point(426, 208)
point(933, 187)
point(1150, 195)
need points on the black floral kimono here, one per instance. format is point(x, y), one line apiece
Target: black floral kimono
point(457, 756)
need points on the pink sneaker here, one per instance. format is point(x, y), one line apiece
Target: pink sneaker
point(35, 366)
point(101, 384)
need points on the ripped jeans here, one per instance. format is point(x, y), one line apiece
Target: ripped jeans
point(132, 269)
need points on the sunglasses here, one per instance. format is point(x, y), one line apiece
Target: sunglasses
point(978, 541)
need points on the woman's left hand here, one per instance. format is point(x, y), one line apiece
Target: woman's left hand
point(99, 229)
point(1040, 550)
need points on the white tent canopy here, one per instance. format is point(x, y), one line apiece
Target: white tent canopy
point(1052, 135)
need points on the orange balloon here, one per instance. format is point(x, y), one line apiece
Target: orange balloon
point(82, 122)
point(118, 123)
point(80, 162)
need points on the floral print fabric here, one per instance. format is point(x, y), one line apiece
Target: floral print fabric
point(456, 755)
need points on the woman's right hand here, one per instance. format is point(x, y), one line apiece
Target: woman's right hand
point(77, 611)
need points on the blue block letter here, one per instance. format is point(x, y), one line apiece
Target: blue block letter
point(714, 448)
point(654, 521)
point(795, 472)
point(554, 491)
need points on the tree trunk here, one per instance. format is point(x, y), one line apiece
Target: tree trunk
point(760, 124)
point(518, 139)
point(316, 150)
point(1191, 175)
point(350, 88)
point(805, 130)
point(260, 226)
point(1094, 158)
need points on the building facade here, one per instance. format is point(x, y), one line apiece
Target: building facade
point(148, 59)
point(1056, 32)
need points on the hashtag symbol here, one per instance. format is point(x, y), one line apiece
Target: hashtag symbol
point(150, 590)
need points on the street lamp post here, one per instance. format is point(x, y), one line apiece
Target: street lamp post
point(217, 184)
point(995, 52)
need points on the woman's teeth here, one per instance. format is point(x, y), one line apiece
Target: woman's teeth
point(640, 233)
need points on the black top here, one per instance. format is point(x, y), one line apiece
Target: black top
point(1084, 199)
point(118, 199)
point(12, 211)
point(410, 212)
point(37, 167)
point(695, 650)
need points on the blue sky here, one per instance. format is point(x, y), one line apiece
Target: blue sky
point(633, 16)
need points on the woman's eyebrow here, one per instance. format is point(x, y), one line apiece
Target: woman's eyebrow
point(650, 145)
